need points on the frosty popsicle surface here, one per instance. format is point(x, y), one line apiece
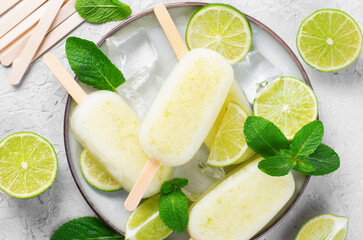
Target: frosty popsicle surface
point(105, 125)
point(186, 107)
point(240, 205)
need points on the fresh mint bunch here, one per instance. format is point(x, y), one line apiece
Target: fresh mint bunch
point(173, 205)
point(101, 11)
point(305, 153)
point(85, 228)
point(91, 65)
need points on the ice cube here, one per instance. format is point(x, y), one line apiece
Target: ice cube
point(253, 73)
point(200, 176)
point(131, 52)
point(140, 89)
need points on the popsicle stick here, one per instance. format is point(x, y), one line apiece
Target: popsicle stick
point(22, 27)
point(21, 64)
point(16, 15)
point(171, 31)
point(31, 21)
point(6, 5)
point(61, 27)
point(153, 165)
point(142, 184)
point(64, 78)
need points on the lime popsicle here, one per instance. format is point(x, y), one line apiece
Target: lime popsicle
point(186, 107)
point(239, 205)
point(107, 127)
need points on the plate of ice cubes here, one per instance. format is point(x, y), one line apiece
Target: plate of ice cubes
point(140, 49)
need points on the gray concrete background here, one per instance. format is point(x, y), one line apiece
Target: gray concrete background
point(38, 104)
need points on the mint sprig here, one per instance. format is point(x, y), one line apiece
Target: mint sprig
point(173, 205)
point(305, 153)
point(101, 11)
point(264, 137)
point(91, 65)
point(85, 228)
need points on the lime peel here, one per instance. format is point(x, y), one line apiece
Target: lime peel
point(28, 165)
point(230, 146)
point(289, 103)
point(222, 28)
point(329, 47)
point(96, 175)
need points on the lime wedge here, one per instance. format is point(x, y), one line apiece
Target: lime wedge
point(287, 102)
point(222, 28)
point(230, 145)
point(326, 226)
point(28, 165)
point(145, 222)
point(329, 40)
point(96, 175)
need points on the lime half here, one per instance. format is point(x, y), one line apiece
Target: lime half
point(222, 28)
point(230, 145)
point(329, 40)
point(96, 175)
point(326, 226)
point(287, 102)
point(28, 165)
point(145, 222)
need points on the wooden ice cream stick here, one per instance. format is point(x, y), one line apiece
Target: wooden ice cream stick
point(28, 23)
point(62, 75)
point(16, 15)
point(171, 31)
point(21, 64)
point(6, 5)
point(55, 34)
point(153, 165)
point(142, 183)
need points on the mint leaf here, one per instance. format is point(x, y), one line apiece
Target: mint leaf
point(91, 65)
point(276, 165)
point(173, 184)
point(85, 228)
point(100, 11)
point(263, 137)
point(325, 159)
point(307, 139)
point(173, 210)
point(304, 165)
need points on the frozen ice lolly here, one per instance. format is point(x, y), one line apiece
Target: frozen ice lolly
point(186, 107)
point(105, 125)
point(240, 205)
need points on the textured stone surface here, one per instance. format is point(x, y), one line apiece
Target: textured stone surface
point(37, 105)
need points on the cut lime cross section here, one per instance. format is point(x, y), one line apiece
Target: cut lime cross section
point(329, 40)
point(28, 165)
point(230, 145)
point(287, 102)
point(96, 175)
point(222, 28)
point(326, 226)
point(145, 222)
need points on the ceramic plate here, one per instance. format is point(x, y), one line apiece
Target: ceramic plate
point(109, 206)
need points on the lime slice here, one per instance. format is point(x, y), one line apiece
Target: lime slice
point(145, 222)
point(222, 28)
point(326, 226)
point(287, 102)
point(28, 165)
point(96, 175)
point(329, 40)
point(230, 145)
